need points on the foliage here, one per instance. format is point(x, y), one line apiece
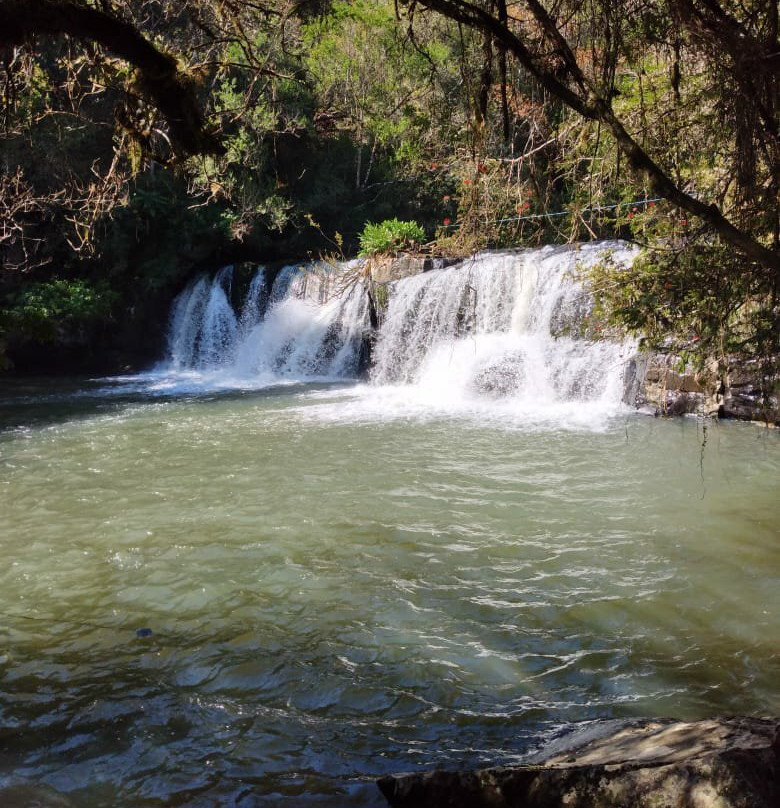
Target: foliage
point(45, 309)
point(583, 80)
point(153, 241)
point(390, 236)
point(373, 82)
point(328, 114)
point(697, 302)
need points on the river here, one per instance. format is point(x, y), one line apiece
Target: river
point(271, 595)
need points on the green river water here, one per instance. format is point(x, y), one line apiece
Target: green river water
point(335, 592)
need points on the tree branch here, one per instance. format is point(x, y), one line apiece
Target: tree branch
point(159, 77)
point(590, 104)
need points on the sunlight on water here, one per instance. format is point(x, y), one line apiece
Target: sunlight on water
point(243, 580)
point(334, 593)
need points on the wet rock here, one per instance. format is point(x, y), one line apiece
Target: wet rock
point(385, 269)
point(718, 763)
point(672, 388)
point(571, 317)
point(502, 377)
point(666, 384)
point(746, 395)
point(633, 381)
point(388, 268)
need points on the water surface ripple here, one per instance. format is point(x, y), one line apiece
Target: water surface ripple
point(332, 599)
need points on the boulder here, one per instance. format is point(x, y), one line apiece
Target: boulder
point(746, 396)
point(675, 389)
point(717, 763)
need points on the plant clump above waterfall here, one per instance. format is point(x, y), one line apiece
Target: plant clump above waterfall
point(390, 236)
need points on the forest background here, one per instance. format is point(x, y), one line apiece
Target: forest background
point(142, 142)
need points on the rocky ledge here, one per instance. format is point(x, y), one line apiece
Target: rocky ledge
point(718, 763)
point(668, 385)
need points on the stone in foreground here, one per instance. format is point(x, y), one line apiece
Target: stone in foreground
point(719, 763)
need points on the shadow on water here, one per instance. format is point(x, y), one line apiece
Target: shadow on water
point(32, 403)
point(142, 720)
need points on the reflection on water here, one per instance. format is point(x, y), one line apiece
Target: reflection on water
point(335, 592)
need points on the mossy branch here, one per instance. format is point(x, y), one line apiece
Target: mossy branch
point(159, 78)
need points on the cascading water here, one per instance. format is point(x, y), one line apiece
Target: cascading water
point(501, 325)
point(313, 328)
point(220, 326)
point(203, 325)
point(308, 325)
point(255, 303)
point(497, 329)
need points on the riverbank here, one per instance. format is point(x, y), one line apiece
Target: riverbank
point(718, 763)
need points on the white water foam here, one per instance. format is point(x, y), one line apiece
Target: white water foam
point(495, 337)
point(307, 326)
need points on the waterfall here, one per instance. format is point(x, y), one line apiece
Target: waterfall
point(255, 303)
point(308, 325)
point(203, 324)
point(186, 324)
point(220, 325)
point(499, 327)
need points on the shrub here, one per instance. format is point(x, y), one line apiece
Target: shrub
point(389, 236)
point(38, 311)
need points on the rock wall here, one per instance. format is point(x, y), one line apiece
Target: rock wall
point(385, 269)
point(719, 763)
point(666, 385)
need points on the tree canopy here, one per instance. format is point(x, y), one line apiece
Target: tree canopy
point(557, 46)
point(140, 141)
point(158, 76)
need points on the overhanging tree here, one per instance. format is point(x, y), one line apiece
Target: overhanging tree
point(107, 92)
point(546, 40)
point(158, 75)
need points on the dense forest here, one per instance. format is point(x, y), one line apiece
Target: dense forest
point(142, 141)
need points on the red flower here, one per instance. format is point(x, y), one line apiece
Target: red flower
point(684, 222)
point(630, 216)
point(526, 205)
point(445, 199)
point(447, 221)
point(695, 337)
point(651, 204)
point(482, 168)
point(467, 182)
